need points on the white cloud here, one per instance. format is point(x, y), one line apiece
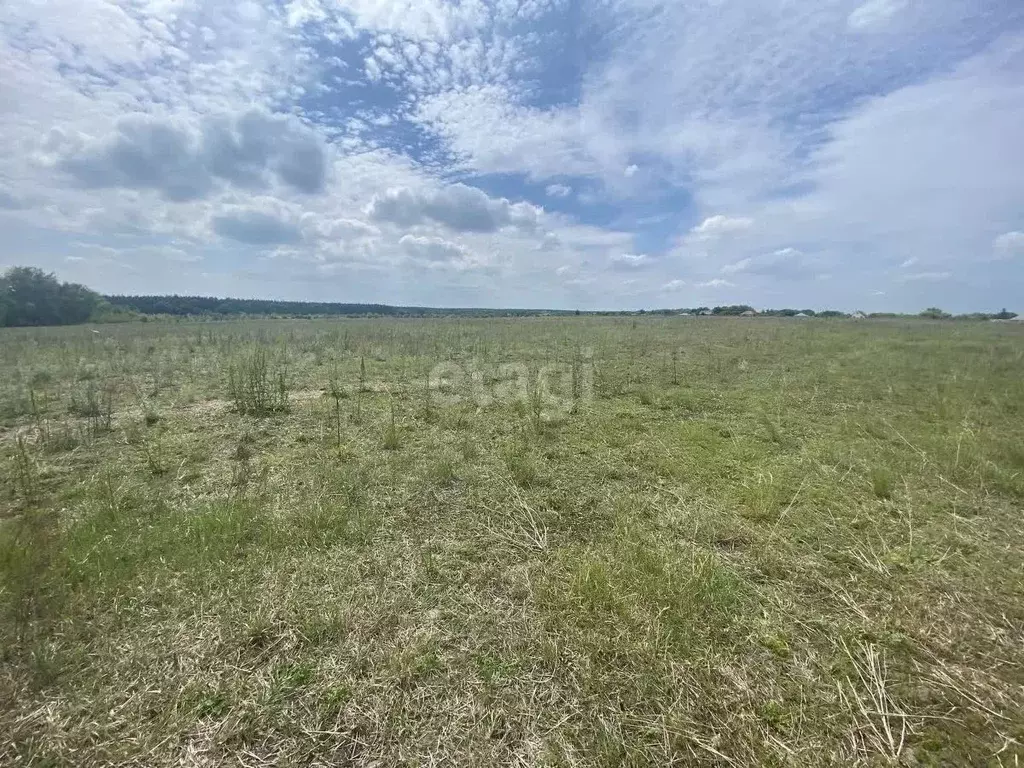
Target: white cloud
point(718, 225)
point(674, 285)
point(630, 260)
point(1009, 244)
point(438, 253)
point(785, 263)
point(457, 206)
point(874, 13)
point(165, 252)
point(927, 277)
point(373, 70)
point(848, 131)
point(490, 132)
point(301, 12)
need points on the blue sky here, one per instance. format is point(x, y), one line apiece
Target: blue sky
point(581, 154)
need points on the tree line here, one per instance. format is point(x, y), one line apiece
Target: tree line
point(185, 306)
point(30, 296)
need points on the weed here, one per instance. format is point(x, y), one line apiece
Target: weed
point(522, 466)
point(86, 403)
point(392, 440)
point(254, 388)
point(882, 483)
point(25, 472)
point(443, 471)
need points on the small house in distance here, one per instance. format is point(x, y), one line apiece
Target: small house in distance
point(858, 315)
point(801, 314)
point(748, 313)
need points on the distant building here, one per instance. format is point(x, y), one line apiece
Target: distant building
point(748, 313)
point(707, 313)
point(858, 316)
point(801, 314)
point(685, 314)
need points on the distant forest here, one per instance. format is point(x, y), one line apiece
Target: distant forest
point(31, 297)
point(185, 306)
point(182, 306)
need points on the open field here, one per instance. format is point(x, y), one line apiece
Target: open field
point(696, 541)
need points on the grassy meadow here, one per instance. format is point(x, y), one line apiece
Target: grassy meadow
point(541, 542)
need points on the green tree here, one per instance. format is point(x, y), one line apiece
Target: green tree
point(29, 296)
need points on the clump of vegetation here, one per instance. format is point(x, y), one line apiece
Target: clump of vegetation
point(29, 296)
point(522, 466)
point(882, 483)
point(392, 440)
point(254, 388)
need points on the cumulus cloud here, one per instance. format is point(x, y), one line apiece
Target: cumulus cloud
point(718, 225)
point(248, 151)
point(438, 253)
point(849, 129)
point(256, 227)
point(673, 285)
point(457, 206)
point(318, 227)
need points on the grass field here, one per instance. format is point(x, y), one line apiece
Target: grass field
point(693, 541)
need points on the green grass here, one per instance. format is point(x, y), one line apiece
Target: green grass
point(269, 543)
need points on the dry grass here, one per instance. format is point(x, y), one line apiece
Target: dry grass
point(759, 544)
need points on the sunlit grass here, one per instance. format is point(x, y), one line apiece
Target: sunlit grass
point(269, 542)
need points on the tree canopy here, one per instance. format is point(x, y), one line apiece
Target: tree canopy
point(29, 296)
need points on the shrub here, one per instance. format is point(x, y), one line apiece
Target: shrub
point(254, 389)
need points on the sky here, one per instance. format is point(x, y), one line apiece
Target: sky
point(577, 154)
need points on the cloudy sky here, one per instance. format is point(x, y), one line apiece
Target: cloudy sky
point(534, 153)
